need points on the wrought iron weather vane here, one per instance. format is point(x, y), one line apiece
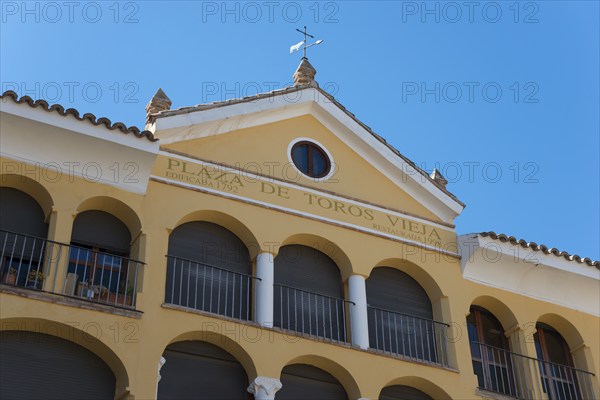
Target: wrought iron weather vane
point(302, 45)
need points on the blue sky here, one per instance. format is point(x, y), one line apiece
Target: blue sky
point(502, 97)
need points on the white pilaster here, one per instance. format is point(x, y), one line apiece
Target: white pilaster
point(264, 388)
point(263, 294)
point(359, 322)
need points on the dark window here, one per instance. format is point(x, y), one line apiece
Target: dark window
point(22, 239)
point(490, 352)
point(309, 293)
point(99, 262)
point(400, 392)
point(20, 213)
point(401, 317)
point(302, 381)
point(38, 366)
point(559, 379)
point(200, 370)
point(310, 159)
point(209, 269)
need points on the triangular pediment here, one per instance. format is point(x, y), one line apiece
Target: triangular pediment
point(256, 134)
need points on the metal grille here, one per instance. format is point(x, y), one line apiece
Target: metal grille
point(408, 336)
point(310, 313)
point(519, 376)
point(34, 263)
point(204, 287)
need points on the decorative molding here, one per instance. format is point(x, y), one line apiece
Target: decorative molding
point(578, 347)
point(509, 332)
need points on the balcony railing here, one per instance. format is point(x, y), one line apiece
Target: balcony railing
point(39, 264)
point(310, 313)
point(408, 336)
point(200, 286)
point(523, 377)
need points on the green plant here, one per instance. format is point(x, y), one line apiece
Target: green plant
point(36, 276)
point(12, 271)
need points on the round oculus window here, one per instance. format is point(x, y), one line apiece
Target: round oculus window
point(310, 159)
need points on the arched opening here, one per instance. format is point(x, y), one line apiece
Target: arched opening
point(413, 387)
point(209, 269)
point(402, 392)
point(303, 381)
point(36, 366)
point(401, 317)
point(23, 233)
point(493, 363)
point(200, 370)
point(309, 293)
point(99, 265)
point(560, 380)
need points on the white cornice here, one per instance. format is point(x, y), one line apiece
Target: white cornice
point(84, 127)
point(530, 273)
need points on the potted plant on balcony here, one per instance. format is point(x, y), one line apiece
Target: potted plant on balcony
point(11, 278)
point(35, 279)
point(124, 296)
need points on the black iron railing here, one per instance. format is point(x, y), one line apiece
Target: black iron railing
point(408, 336)
point(309, 313)
point(204, 287)
point(40, 264)
point(515, 375)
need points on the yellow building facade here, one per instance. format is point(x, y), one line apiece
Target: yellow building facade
point(271, 247)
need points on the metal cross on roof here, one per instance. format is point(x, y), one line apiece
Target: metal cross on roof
point(302, 44)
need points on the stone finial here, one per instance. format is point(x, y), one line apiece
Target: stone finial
point(159, 102)
point(305, 74)
point(437, 176)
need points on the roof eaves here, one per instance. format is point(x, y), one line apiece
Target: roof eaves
point(540, 247)
point(44, 105)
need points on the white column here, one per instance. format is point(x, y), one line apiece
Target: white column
point(359, 322)
point(263, 293)
point(264, 388)
point(161, 362)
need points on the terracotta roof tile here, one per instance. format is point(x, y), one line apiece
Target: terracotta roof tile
point(540, 247)
point(9, 94)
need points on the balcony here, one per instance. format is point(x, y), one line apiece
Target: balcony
point(310, 313)
point(407, 336)
point(41, 265)
point(514, 375)
point(204, 287)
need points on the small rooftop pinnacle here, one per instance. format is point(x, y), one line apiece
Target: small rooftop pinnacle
point(438, 178)
point(159, 102)
point(305, 74)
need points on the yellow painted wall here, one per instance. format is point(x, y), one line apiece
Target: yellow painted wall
point(265, 148)
point(132, 346)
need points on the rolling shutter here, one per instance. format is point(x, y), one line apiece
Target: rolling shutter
point(399, 392)
point(393, 290)
point(211, 244)
point(101, 229)
point(400, 315)
point(308, 293)
point(38, 366)
point(209, 269)
point(200, 370)
point(20, 213)
point(302, 381)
